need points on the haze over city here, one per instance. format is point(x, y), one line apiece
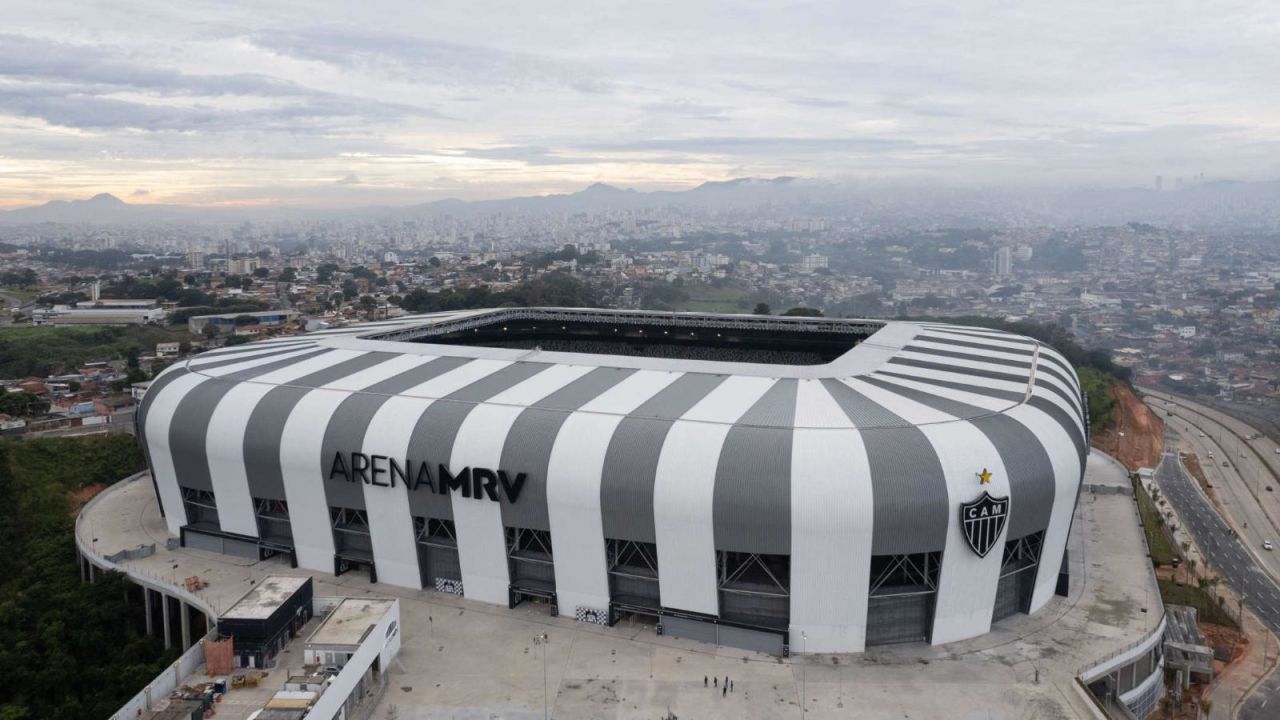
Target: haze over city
point(333, 105)
point(402, 361)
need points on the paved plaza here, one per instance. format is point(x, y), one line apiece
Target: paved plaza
point(464, 660)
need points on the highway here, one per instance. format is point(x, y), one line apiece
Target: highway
point(1238, 558)
point(1232, 561)
point(1258, 459)
point(1234, 490)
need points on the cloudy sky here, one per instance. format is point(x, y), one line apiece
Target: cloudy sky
point(340, 103)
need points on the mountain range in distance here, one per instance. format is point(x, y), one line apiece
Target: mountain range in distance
point(1216, 201)
point(106, 208)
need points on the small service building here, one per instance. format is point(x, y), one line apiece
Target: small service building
point(776, 483)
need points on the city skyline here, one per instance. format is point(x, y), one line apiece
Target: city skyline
point(271, 106)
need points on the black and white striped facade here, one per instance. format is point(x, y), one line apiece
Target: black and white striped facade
point(819, 504)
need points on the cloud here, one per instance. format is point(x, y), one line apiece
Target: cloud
point(755, 146)
point(140, 192)
point(51, 61)
point(429, 60)
point(85, 86)
point(216, 99)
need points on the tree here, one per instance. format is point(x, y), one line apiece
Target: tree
point(23, 404)
point(289, 274)
point(802, 312)
point(261, 272)
point(325, 272)
point(69, 649)
point(762, 309)
point(1101, 399)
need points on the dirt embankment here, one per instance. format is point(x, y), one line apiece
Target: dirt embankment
point(1136, 438)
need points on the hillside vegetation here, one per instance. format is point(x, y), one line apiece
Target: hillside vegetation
point(69, 651)
point(41, 351)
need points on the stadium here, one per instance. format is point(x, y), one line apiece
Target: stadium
point(783, 484)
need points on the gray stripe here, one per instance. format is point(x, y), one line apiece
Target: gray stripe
point(189, 428)
point(346, 430)
point(1050, 370)
point(969, 357)
point(909, 488)
point(1031, 477)
point(975, 372)
point(1061, 364)
point(631, 462)
point(992, 335)
point(752, 502)
point(266, 423)
point(250, 348)
point(153, 392)
point(1074, 431)
point(528, 445)
point(975, 345)
point(862, 411)
point(1046, 406)
point(437, 429)
point(1011, 396)
point(178, 371)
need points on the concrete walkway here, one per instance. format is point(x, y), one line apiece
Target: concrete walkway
point(466, 660)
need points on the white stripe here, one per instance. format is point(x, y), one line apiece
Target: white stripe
point(482, 550)
point(831, 525)
point(160, 410)
point(574, 473)
point(993, 339)
point(684, 490)
point(209, 357)
point(967, 585)
point(977, 353)
point(224, 443)
point(390, 433)
point(390, 518)
point(968, 364)
point(454, 380)
point(374, 374)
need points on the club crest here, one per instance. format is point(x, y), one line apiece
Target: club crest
point(982, 521)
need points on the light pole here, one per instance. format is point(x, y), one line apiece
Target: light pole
point(803, 641)
point(542, 640)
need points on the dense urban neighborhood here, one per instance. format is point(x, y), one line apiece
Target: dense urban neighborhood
point(1192, 310)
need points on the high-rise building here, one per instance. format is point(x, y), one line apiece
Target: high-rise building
point(1159, 183)
point(1002, 263)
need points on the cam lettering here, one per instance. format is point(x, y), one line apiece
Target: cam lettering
point(385, 471)
point(976, 513)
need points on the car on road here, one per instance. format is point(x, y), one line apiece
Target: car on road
point(1226, 464)
point(1266, 545)
point(1201, 434)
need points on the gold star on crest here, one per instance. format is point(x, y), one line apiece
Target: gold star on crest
point(984, 477)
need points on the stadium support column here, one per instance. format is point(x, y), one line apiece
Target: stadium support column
point(168, 629)
point(146, 601)
point(184, 617)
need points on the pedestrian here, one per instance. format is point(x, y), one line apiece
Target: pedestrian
point(715, 681)
point(704, 681)
point(724, 690)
